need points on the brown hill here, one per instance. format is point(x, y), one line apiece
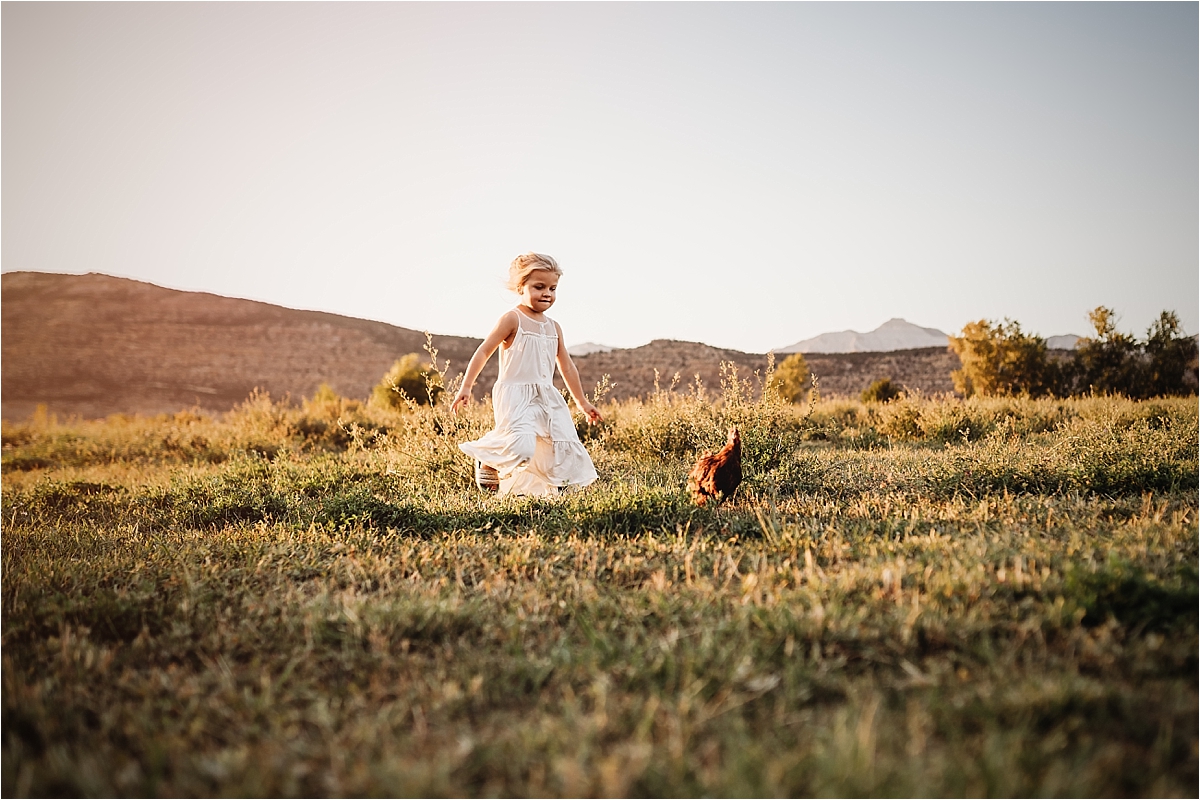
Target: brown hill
point(631, 371)
point(927, 369)
point(840, 374)
point(93, 345)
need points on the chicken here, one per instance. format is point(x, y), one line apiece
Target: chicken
point(717, 474)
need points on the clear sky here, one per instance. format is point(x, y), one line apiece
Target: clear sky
point(742, 174)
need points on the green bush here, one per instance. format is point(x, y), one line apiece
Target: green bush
point(901, 419)
point(881, 391)
point(791, 379)
point(408, 383)
point(328, 421)
point(1000, 359)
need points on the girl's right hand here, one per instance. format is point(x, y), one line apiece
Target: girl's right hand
point(591, 412)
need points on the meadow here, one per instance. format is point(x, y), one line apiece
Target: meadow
point(926, 597)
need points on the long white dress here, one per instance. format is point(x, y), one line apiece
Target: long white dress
point(534, 446)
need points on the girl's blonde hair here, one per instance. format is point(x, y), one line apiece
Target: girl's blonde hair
point(523, 265)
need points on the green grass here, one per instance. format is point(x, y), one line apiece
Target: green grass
point(929, 597)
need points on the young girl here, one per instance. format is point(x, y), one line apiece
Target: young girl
point(533, 447)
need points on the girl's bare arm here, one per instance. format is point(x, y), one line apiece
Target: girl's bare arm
point(505, 329)
point(570, 375)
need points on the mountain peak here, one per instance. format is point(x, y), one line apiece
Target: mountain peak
point(587, 348)
point(895, 334)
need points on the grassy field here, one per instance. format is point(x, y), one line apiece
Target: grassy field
point(928, 597)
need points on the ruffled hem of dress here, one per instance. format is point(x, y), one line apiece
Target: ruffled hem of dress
point(572, 469)
point(494, 449)
point(555, 466)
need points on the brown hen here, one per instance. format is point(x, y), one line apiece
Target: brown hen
point(717, 474)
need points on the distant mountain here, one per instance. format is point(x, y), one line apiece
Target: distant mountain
point(1068, 341)
point(587, 348)
point(895, 334)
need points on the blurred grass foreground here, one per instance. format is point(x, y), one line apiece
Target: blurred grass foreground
point(930, 596)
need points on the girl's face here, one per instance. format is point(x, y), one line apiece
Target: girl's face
point(537, 293)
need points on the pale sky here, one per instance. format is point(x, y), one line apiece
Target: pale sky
point(742, 174)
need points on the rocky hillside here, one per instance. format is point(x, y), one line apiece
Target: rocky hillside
point(93, 345)
point(839, 374)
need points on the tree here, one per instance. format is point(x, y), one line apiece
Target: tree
point(791, 379)
point(1169, 356)
point(408, 378)
point(999, 359)
point(1109, 362)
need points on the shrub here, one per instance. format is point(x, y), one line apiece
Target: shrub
point(666, 426)
point(881, 391)
point(836, 418)
point(331, 422)
point(901, 420)
point(1000, 359)
point(791, 379)
point(257, 425)
point(675, 426)
point(408, 383)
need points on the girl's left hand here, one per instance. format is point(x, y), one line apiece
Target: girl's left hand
point(593, 414)
point(460, 400)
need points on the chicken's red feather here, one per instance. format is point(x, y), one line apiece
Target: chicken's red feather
point(717, 474)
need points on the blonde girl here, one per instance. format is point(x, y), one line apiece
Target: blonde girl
point(533, 448)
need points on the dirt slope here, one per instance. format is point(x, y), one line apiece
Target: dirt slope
point(94, 345)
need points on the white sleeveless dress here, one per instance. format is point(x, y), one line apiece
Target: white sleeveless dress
point(534, 446)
